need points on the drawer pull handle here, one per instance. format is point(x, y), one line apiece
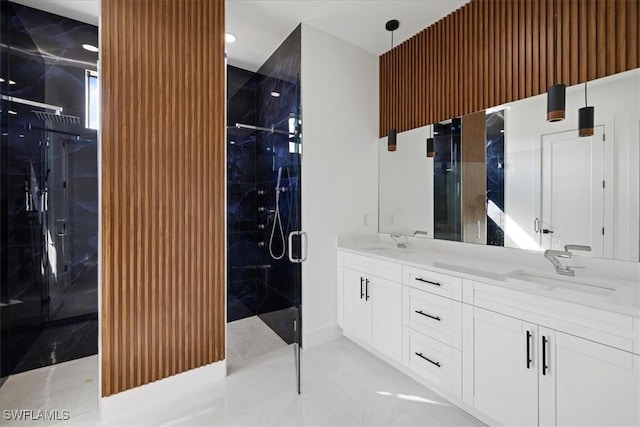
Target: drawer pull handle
point(420, 279)
point(428, 360)
point(428, 315)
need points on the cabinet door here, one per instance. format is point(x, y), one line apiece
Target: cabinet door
point(505, 376)
point(588, 384)
point(354, 304)
point(385, 311)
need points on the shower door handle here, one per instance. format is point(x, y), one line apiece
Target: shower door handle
point(305, 244)
point(303, 250)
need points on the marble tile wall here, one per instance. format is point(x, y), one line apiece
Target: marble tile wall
point(48, 288)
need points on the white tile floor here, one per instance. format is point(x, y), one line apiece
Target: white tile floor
point(343, 385)
point(71, 386)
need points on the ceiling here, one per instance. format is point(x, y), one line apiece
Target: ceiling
point(261, 25)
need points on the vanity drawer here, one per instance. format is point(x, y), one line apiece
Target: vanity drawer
point(437, 363)
point(373, 266)
point(438, 317)
point(436, 283)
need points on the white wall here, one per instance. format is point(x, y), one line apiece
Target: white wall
point(615, 99)
point(406, 184)
point(339, 166)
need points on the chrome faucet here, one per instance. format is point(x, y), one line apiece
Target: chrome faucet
point(398, 239)
point(551, 255)
point(568, 248)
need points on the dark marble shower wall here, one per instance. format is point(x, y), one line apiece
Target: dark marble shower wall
point(48, 273)
point(252, 204)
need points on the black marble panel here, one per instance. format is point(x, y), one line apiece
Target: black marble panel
point(241, 299)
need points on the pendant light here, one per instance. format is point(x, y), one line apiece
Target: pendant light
point(556, 94)
point(431, 148)
point(392, 134)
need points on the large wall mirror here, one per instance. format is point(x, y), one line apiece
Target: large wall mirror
point(507, 177)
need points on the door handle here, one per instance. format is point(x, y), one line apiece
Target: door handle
point(303, 250)
point(366, 287)
point(361, 288)
point(528, 349)
point(544, 355)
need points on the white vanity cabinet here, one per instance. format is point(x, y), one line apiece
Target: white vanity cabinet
point(371, 296)
point(505, 354)
point(432, 331)
point(525, 374)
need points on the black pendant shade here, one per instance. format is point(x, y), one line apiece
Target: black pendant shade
point(585, 121)
point(431, 150)
point(556, 96)
point(391, 140)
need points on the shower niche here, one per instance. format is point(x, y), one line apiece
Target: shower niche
point(263, 188)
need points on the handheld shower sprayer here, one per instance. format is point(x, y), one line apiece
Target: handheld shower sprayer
point(277, 221)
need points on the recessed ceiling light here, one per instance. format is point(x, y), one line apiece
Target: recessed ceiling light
point(21, 136)
point(230, 38)
point(1, 80)
point(275, 94)
point(90, 47)
point(11, 82)
point(12, 112)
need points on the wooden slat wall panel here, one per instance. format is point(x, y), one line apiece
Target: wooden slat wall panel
point(490, 52)
point(162, 189)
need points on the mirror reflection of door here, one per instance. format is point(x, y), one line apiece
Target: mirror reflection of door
point(574, 191)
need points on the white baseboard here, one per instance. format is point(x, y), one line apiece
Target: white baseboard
point(164, 389)
point(321, 335)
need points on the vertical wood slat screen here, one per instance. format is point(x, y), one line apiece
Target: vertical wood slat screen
point(490, 52)
point(162, 76)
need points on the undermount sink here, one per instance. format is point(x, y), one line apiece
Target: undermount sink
point(387, 251)
point(549, 283)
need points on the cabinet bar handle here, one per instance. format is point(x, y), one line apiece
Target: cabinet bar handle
point(528, 349)
point(544, 355)
point(428, 360)
point(428, 315)
point(420, 279)
point(366, 287)
point(361, 289)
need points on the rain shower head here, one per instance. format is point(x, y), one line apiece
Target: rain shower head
point(57, 118)
point(236, 131)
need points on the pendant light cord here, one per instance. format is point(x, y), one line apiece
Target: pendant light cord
point(585, 94)
point(555, 42)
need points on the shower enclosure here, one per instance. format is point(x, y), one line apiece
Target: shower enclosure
point(265, 241)
point(48, 190)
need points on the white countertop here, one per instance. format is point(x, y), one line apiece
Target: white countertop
point(616, 294)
